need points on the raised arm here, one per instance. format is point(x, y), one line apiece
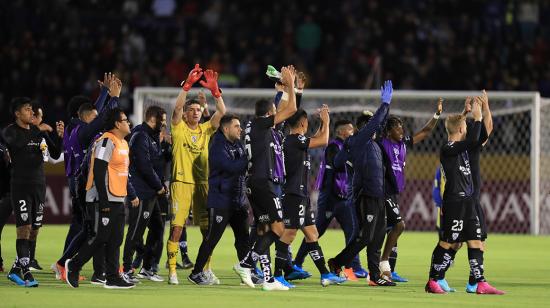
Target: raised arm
point(289, 75)
point(320, 139)
point(104, 89)
point(300, 85)
point(201, 97)
point(367, 132)
point(428, 128)
point(194, 75)
point(87, 132)
point(486, 111)
point(472, 138)
point(211, 84)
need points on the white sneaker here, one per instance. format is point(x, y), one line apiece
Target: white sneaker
point(173, 279)
point(211, 277)
point(274, 286)
point(143, 273)
point(129, 277)
point(56, 271)
point(245, 274)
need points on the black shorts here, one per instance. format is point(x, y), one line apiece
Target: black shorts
point(393, 214)
point(297, 212)
point(28, 204)
point(265, 202)
point(481, 216)
point(459, 221)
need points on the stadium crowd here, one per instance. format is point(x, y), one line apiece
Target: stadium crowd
point(51, 50)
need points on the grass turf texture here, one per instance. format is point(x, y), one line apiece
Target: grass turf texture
point(515, 263)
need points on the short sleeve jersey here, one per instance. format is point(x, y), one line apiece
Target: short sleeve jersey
point(397, 154)
point(265, 153)
point(190, 152)
point(297, 164)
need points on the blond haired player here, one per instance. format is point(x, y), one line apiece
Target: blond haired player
point(190, 140)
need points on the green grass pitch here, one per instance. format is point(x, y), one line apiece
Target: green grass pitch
point(517, 264)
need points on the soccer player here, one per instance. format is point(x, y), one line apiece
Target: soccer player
point(27, 146)
point(106, 189)
point(459, 221)
point(84, 130)
point(227, 162)
point(396, 146)
point(147, 178)
point(265, 177)
point(474, 154)
point(190, 139)
point(6, 208)
point(368, 188)
point(164, 205)
point(331, 203)
point(82, 127)
point(297, 212)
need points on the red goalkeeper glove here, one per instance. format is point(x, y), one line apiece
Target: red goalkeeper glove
point(194, 75)
point(211, 83)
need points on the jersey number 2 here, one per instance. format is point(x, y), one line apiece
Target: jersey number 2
point(22, 205)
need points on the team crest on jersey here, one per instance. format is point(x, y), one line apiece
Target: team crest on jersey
point(39, 218)
point(328, 214)
point(24, 216)
point(194, 139)
point(104, 221)
point(370, 218)
point(396, 210)
point(301, 221)
point(219, 218)
point(145, 215)
point(455, 236)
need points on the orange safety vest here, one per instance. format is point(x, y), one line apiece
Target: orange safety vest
point(117, 168)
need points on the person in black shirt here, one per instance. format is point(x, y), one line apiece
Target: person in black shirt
point(332, 201)
point(265, 176)
point(227, 163)
point(459, 219)
point(297, 211)
point(147, 178)
point(474, 156)
point(28, 148)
